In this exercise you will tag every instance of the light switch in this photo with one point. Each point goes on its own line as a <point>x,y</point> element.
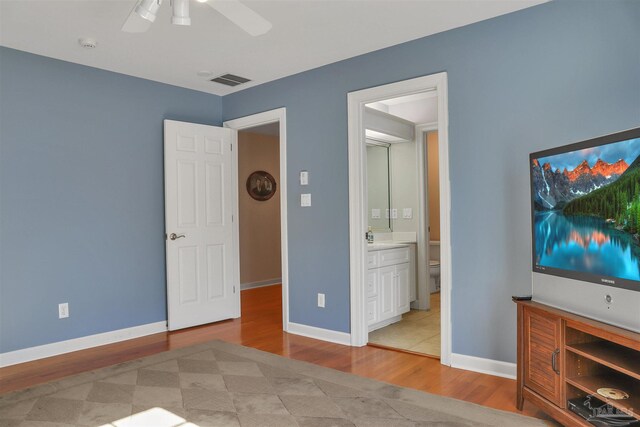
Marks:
<point>304,178</point>
<point>394,213</point>
<point>375,213</point>
<point>305,199</point>
<point>407,213</point>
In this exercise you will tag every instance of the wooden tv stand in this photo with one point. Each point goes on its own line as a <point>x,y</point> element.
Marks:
<point>562,356</point>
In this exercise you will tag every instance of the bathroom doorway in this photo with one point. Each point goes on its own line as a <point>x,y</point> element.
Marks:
<point>429,189</point>
<point>403,199</point>
<point>379,272</point>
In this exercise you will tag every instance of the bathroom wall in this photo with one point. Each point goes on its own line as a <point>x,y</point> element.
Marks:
<point>378,186</point>
<point>404,185</point>
<point>433,185</point>
<point>260,259</point>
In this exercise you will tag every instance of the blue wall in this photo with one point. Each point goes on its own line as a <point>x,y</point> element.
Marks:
<point>543,77</point>
<point>81,185</point>
<point>82,198</point>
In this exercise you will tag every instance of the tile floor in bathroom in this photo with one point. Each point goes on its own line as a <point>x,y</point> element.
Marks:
<point>418,331</point>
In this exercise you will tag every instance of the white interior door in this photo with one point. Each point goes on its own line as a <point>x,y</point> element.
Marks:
<point>202,281</point>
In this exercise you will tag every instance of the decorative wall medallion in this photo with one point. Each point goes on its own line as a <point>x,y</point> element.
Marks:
<point>261,185</point>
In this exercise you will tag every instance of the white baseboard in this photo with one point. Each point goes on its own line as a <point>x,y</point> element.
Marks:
<point>61,347</point>
<point>260,284</point>
<point>484,366</point>
<point>319,333</point>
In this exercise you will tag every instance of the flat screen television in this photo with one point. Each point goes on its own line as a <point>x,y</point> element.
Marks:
<point>585,216</point>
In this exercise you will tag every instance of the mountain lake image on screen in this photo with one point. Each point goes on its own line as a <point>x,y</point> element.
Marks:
<point>586,211</point>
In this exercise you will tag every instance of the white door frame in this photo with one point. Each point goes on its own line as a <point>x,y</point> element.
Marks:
<point>423,241</point>
<point>358,201</point>
<point>278,115</point>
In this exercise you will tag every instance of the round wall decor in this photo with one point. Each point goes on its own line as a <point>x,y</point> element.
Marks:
<point>261,185</point>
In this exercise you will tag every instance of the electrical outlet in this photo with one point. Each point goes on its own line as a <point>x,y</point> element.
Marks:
<point>321,300</point>
<point>63,310</point>
<point>305,200</point>
<point>394,213</point>
<point>407,213</point>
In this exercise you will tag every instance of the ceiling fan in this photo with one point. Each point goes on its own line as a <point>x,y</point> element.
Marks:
<point>144,13</point>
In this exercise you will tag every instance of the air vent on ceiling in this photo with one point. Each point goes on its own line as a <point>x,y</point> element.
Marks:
<point>230,80</point>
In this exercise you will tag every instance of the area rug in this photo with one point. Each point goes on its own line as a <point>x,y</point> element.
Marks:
<point>222,384</point>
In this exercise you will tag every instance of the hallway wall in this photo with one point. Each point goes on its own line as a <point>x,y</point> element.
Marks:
<point>260,257</point>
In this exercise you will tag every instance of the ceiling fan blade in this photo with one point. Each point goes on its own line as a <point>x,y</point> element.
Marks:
<point>135,23</point>
<point>242,16</point>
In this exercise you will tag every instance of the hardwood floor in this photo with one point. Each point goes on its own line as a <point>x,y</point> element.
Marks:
<point>261,327</point>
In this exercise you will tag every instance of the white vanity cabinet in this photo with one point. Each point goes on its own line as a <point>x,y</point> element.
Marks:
<point>389,277</point>
<point>413,274</point>
<point>388,293</point>
<point>403,285</point>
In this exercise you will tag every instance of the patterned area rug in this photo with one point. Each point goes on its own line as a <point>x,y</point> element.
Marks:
<point>222,384</point>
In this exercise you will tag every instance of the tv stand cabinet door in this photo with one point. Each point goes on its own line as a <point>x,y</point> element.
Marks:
<point>542,355</point>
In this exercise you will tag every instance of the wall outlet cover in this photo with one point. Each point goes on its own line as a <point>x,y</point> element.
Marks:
<point>394,213</point>
<point>375,213</point>
<point>63,310</point>
<point>305,200</point>
<point>407,213</point>
<point>321,300</point>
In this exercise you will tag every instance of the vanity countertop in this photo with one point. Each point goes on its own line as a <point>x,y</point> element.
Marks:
<point>378,246</point>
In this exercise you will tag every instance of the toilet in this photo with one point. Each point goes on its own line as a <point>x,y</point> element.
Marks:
<point>434,266</point>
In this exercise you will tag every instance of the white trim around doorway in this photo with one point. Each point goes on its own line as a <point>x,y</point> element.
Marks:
<point>358,200</point>
<point>422,253</point>
<point>278,115</point>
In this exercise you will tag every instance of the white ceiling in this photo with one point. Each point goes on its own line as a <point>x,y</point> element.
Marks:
<point>420,108</point>
<point>306,34</point>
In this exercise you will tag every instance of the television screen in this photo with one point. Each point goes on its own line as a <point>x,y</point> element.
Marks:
<point>586,210</point>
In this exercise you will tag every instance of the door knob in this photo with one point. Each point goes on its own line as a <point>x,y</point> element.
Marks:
<point>174,236</point>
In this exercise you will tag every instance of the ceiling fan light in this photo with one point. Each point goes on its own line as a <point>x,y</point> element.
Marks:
<point>181,13</point>
<point>180,20</point>
<point>147,9</point>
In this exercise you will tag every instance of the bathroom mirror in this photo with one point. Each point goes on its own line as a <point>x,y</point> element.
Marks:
<point>379,193</point>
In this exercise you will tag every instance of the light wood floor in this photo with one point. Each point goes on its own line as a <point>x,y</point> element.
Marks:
<point>261,327</point>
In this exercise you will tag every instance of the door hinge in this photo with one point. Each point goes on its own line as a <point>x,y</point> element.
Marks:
<point>234,289</point>
<point>231,218</point>
<point>231,147</point>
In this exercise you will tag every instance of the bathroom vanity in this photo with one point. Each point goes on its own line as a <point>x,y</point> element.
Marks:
<point>391,282</point>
